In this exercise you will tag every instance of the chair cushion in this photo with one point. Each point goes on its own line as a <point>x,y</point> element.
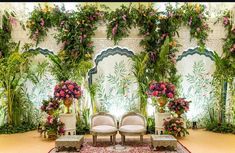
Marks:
<point>132,128</point>
<point>102,120</point>
<point>133,120</point>
<point>103,129</point>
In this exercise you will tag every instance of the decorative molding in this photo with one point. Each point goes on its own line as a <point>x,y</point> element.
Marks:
<point>191,51</point>
<point>106,53</point>
<point>41,50</point>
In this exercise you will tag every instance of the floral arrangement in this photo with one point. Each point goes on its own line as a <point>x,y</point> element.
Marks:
<point>195,16</point>
<point>77,40</point>
<point>39,22</point>
<point>119,24</point>
<point>175,127</point>
<point>49,106</point>
<point>54,125</point>
<point>67,89</point>
<point>162,89</point>
<point>179,105</point>
<point>229,45</point>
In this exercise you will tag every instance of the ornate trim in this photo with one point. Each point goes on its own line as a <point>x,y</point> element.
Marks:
<point>192,51</point>
<point>41,50</point>
<point>106,53</point>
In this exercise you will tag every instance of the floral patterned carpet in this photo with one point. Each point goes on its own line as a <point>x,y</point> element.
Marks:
<point>131,146</point>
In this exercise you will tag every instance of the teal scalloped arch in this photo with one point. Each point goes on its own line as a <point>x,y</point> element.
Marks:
<point>193,51</point>
<point>41,50</point>
<point>106,53</point>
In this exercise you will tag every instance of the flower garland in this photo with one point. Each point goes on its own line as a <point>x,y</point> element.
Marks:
<point>119,23</point>
<point>229,45</point>
<point>39,22</point>
<point>76,30</point>
<point>196,17</point>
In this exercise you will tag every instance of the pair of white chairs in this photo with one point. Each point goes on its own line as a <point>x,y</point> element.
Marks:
<point>105,124</point>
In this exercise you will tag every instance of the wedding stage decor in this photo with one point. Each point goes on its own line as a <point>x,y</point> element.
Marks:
<point>131,146</point>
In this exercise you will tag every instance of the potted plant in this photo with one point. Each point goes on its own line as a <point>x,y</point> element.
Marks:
<point>67,91</point>
<point>53,126</point>
<point>175,127</point>
<point>179,106</point>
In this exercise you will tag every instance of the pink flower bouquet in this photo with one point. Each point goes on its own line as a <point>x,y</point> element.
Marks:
<point>67,89</point>
<point>179,105</point>
<point>161,89</point>
<point>175,126</point>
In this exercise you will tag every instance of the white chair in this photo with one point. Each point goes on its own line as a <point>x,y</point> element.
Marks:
<point>103,124</point>
<point>132,124</point>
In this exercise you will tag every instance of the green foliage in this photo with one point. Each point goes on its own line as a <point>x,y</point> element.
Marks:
<point>195,17</point>
<point>39,22</point>
<point>83,124</point>
<point>139,70</point>
<point>65,70</point>
<point>24,127</point>
<point>150,125</point>
<point>220,128</point>
<point>119,23</point>
<point>92,90</point>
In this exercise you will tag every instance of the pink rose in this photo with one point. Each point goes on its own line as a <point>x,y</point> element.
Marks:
<point>170,95</point>
<point>152,87</point>
<point>67,96</point>
<point>163,86</point>
<point>62,93</point>
<point>71,87</point>
<point>155,93</point>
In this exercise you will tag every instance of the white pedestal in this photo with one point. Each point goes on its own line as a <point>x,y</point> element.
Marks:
<point>70,123</point>
<point>159,122</point>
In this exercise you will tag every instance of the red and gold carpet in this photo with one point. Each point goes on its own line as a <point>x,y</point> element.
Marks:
<point>131,146</point>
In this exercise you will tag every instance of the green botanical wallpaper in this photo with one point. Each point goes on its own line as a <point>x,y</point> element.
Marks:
<point>42,90</point>
<point>199,90</point>
<point>117,92</point>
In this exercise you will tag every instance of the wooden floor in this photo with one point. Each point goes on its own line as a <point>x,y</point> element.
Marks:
<point>199,141</point>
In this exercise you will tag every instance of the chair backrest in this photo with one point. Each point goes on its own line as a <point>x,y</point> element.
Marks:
<point>133,118</point>
<point>103,118</point>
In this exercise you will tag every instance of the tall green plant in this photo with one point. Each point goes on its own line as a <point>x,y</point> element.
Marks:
<point>92,90</point>
<point>139,70</point>
<point>14,71</point>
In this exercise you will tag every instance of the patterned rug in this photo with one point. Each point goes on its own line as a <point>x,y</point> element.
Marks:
<point>131,146</point>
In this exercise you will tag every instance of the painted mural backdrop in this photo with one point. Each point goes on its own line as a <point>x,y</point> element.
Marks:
<point>196,85</point>
<point>116,86</point>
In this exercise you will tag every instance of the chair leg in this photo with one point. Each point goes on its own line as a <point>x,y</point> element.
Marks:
<point>94,139</point>
<point>123,139</point>
<point>111,139</point>
<point>114,139</point>
<point>141,138</point>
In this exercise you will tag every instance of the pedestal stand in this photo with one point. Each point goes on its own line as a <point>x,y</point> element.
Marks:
<point>70,123</point>
<point>159,129</point>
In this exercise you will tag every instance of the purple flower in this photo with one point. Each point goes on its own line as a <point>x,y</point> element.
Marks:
<point>114,30</point>
<point>13,21</point>
<point>152,56</point>
<point>226,21</point>
<point>190,21</point>
<point>124,17</point>
<point>42,23</point>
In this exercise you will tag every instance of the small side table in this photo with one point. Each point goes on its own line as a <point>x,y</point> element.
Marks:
<point>69,141</point>
<point>163,140</point>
